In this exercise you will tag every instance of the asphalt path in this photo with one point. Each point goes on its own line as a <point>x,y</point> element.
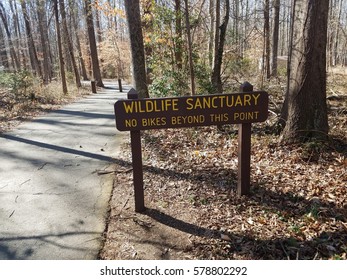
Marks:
<point>53,203</point>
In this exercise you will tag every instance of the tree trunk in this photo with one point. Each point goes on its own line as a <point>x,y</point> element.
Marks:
<point>92,43</point>
<point>69,43</point>
<point>98,27</point>
<point>306,97</point>
<point>216,32</point>
<point>42,21</point>
<point>35,65</point>
<point>14,57</point>
<point>337,33</point>
<point>148,28</point>
<point>211,35</point>
<point>190,50</point>
<point>267,38</point>
<point>60,47</point>
<point>132,9</point>
<point>73,10</point>
<point>3,53</point>
<point>178,31</point>
<point>275,37</point>
<point>216,79</point>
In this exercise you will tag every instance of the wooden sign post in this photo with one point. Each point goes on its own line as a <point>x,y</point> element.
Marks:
<point>244,108</point>
<point>244,152</point>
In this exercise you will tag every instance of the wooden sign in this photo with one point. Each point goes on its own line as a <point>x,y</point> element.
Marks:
<point>242,108</point>
<point>159,113</point>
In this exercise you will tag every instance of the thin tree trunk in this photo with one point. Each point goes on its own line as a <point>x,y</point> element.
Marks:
<point>69,43</point>
<point>3,53</point>
<point>92,43</point>
<point>275,37</point>
<point>216,32</point>
<point>35,65</point>
<point>42,21</point>
<point>284,112</point>
<point>267,37</point>
<point>78,43</point>
<point>190,50</point>
<point>178,30</point>
<point>14,57</point>
<point>60,48</point>
<point>337,34</point>
<point>236,24</point>
<point>216,79</point>
<point>147,27</point>
<point>211,34</point>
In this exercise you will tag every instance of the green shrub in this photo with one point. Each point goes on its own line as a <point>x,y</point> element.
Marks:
<point>19,84</point>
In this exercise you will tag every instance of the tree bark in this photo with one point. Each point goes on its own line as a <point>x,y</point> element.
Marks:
<point>60,47</point>
<point>190,50</point>
<point>3,53</point>
<point>98,27</point>
<point>216,79</point>
<point>14,57</point>
<point>306,96</point>
<point>275,37</point>
<point>92,43</point>
<point>73,10</point>
<point>69,43</point>
<point>211,34</point>
<point>35,65</point>
<point>132,9</point>
<point>178,31</point>
<point>42,21</point>
<point>267,38</point>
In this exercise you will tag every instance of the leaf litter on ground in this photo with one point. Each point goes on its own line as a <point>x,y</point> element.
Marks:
<point>297,208</point>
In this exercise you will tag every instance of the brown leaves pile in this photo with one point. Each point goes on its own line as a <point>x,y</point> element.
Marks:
<point>297,208</point>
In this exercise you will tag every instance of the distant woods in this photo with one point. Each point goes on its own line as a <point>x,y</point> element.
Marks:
<point>213,42</point>
<point>181,47</point>
<point>65,40</point>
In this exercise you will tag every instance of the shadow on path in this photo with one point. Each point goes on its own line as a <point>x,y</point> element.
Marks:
<point>58,148</point>
<point>8,254</point>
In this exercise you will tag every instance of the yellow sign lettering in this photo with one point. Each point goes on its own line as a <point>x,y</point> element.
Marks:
<point>246,116</point>
<point>131,123</point>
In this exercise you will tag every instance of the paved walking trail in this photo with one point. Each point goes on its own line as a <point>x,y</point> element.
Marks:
<point>52,203</point>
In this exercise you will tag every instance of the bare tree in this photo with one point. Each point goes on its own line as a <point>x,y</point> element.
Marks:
<point>69,43</point>
<point>35,65</point>
<point>277,5</point>
<point>74,14</point>
<point>43,28</point>
<point>266,59</point>
<point>60,47</point>
<point>13,53</point>
<point>3,52</point>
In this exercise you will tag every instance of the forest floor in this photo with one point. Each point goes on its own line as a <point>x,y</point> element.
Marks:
<point>25,105</point>
<point>297,208</point>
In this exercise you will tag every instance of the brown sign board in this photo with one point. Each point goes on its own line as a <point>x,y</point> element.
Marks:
<point>189,111</point>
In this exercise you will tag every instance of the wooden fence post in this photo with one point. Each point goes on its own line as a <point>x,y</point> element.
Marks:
<point>120,85</point>
<point>244,151</point>
<point>135,137</point>
<point>93,84</point>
